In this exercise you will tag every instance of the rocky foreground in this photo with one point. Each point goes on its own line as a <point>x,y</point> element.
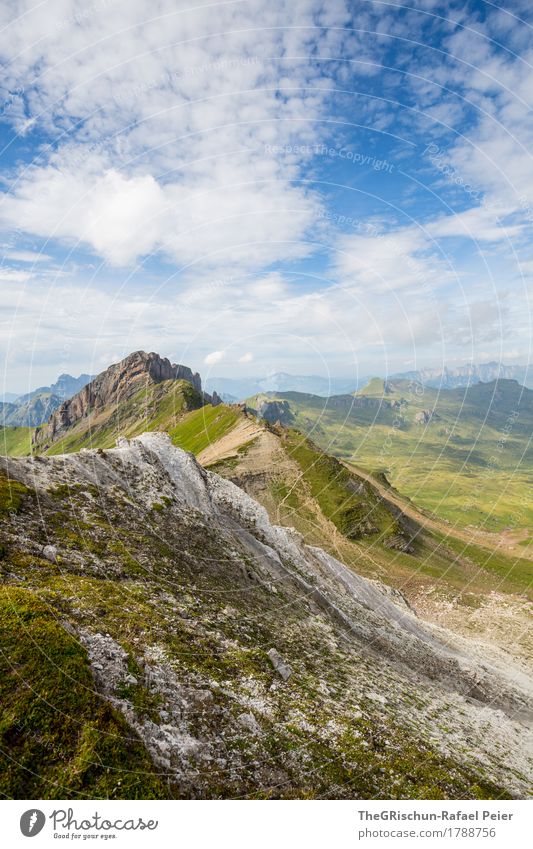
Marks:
<point>232,659</point>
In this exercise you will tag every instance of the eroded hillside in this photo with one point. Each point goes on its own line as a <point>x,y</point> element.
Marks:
<point>223,651</point>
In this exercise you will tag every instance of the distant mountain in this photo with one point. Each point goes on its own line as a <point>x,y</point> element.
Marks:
<point>467,375</point>
<point>35,407</point>
<point>66,386</point>
<point>240,388</point>
<point>8,397</point>
<point>30,410</point>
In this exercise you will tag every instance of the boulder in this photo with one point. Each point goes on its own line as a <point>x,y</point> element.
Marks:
<point>282,668</point>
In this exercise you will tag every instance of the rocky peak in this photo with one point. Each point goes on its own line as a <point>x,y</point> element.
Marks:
<point>117,383</point>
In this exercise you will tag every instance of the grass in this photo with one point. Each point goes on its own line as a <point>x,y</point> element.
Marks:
<point>59,739</point>
<point>349,504</point>
<point>16,441</point>
<point>505,573</point>
<point>200,428</point>
<point>472,464</point>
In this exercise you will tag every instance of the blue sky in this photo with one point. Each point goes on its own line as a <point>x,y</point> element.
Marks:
<point>251,186</point>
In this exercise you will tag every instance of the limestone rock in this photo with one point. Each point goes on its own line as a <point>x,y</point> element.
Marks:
<point>279,664</point>
<point>50,553</point>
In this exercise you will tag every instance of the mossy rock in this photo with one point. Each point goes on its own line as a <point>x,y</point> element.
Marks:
<point>12,494</point>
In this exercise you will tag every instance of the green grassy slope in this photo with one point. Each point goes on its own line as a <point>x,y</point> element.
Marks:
<point>365,529</point>
<point>15,441</point>
<point>156,407</point>
<point>200,428</point>
<point>59,738</point>
<point>349,503</point>
<point>470,464</point>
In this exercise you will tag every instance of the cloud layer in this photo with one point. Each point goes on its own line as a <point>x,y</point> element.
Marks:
<point>201,177</point>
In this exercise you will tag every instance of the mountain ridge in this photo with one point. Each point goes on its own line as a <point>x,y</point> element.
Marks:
<point>115,385</point>
<point>243,660</point>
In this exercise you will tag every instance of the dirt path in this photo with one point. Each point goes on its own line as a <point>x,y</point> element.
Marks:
<point>228,446</point>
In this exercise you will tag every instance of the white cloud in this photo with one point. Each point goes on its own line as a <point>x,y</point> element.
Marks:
<point>481,224</point>
<point>246,358</point>
<point>387,261</point>
<point>13,275</point>
<point>164,116</point>
<point>59,327</point>
<point>26,256</point>
<point>214,357</point>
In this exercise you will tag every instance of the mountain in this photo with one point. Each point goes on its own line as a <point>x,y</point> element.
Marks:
<point>34,408</point>
<point>66,386</point>
<point>142,391</point>
<point>230,610</point>
<point>180,645</point>
<point>30,410</point>
<point>450,378</point>
<point>464,454</point>
<point>240,388</point>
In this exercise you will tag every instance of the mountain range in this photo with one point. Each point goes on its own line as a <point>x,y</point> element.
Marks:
<point>464,454</point>
<point>238,389</point>
<point>467,375</point>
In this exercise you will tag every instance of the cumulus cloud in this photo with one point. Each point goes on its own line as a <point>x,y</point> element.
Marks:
<point>164,117</point>
<point>214,357</point>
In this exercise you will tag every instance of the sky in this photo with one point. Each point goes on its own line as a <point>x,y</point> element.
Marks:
<point>308,186</point>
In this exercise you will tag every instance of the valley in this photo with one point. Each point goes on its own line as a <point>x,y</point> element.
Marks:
<point>464,454</point>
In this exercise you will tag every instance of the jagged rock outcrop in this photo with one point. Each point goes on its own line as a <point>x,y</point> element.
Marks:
<point>274,411</point>
<point>425,417</point>
<point>215,400</point>
<point>114,385</point>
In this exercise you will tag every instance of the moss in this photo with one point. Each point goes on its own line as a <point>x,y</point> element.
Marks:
<point>70,492</point>
<point>12,495</point>
<point>59,738</point>
<point>145,702</point>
